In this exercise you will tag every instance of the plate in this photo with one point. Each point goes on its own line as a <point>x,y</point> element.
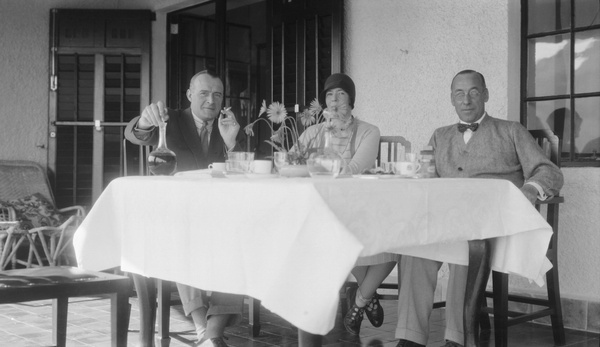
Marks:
<point>205,173</point>
<point>234,174</point>
<point>294,171</point>
<point>381,176</point>
<point>261,176</point>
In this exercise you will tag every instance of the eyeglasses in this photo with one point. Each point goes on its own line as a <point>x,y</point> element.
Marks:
<point>461,96</point>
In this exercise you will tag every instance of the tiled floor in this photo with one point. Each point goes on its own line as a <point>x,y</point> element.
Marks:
<point>30,324</point>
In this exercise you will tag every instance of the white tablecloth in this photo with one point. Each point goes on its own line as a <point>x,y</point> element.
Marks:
<point>281,238</point>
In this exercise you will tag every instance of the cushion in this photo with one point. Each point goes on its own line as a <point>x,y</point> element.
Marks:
<point>35,211</point>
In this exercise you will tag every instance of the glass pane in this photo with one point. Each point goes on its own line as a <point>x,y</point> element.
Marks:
<point>238,43</point>
<point>587,127</point>
<point>587,61</point>
<point>554,115</point>
<point>548,66</point>
<point>113,143</point>
<point>586,13</point>
<point>548,15</point>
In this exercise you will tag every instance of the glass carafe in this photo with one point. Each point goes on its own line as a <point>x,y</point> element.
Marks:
<point>326,162</point>
<point>162,161</point>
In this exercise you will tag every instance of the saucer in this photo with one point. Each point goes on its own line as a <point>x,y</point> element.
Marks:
<point>261,176</point>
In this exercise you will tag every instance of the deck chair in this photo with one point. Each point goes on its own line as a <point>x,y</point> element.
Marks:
<point>25,192</point>
<point>503,317</point>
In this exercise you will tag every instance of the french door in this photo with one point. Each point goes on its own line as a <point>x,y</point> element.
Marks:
<point>99,81</point>
<point>269,50</point>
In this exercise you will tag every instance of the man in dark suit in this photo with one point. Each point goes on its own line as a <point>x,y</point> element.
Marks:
<point>480,146</point>
<point>197,142</point>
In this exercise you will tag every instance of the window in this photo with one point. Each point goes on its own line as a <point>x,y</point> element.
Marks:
<point>560,80</point>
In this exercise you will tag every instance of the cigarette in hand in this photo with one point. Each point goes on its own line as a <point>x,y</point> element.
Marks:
<point>224,110</point>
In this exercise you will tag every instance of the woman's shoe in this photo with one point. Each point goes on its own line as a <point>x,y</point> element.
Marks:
<point>374,311</point>
<point>350,297</point>
<point>353,319</point>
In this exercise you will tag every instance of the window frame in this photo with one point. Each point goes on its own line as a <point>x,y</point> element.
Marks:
<point>571,160</point>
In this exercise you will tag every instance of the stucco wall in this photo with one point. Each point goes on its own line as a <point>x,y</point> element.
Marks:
<point>403,55</point>
<point>24,34</point>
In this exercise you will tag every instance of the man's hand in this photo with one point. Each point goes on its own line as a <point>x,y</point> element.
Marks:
<point>228,127</point>
<point>530,193</point>
<point>152,116</point>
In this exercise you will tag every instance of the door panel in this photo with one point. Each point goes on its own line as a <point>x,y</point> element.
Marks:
<point>99,82</point>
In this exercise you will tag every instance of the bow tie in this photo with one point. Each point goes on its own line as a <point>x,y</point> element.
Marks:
<point>463,127</point>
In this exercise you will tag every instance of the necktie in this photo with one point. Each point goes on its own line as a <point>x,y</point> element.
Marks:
<point>204,139</point>
<point>463,127</point>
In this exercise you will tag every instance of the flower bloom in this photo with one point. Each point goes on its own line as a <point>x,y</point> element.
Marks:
<point>278,135</point>
<point>307,118</point>
<point>248,129</point>
<point>276,112</point>
<point>263,108</point>
<point>315,107</point>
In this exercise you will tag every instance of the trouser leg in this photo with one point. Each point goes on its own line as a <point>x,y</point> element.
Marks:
<point>415,301</point>
<point>455,299</point>
<point>226,304</point>
<point>191,298</point>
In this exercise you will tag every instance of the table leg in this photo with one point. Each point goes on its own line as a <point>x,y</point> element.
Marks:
<point>146,293</point>
<point>163,312</point>
<point>479,271</point>
<point>306,339</point>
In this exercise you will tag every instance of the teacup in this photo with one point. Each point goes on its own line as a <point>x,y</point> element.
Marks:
<point>261,166</point>
<point>406,168</point>
<point>217,167</point>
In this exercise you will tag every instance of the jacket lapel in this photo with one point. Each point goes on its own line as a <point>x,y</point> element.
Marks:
<point>190,134</point>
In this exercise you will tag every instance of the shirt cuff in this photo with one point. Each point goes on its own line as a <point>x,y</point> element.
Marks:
<point>143,131</point>
<point>541,194</point>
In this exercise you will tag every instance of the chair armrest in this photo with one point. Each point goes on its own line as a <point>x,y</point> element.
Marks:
<point>552,200</point>
<point>79,210</point>
<point>8,226</point>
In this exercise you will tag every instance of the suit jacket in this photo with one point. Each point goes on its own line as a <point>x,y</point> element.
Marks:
<point>498,149</point>
<point>183,139</point>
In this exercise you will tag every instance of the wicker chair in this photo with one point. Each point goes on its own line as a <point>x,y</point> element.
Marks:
<point>21,179</point>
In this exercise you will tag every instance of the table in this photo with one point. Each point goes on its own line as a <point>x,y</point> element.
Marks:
<point>279,231</point>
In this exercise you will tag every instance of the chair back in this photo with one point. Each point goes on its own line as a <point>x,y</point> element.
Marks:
<point>130,159</point>
<point>550,143</point>
<point>392,148</point>
<point>19,178</point>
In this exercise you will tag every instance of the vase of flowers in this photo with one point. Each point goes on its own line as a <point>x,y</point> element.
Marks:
<point>285,134</point>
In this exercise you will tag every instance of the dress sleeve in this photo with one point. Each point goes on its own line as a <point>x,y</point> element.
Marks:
<point>367,147</point>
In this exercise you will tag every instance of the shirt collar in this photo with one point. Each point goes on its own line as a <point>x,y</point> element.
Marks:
<point>199,121</point>
<point>478,121</point>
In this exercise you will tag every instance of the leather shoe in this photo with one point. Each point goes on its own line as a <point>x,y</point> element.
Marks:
<point>350,297</point>
<point>353,319</point>
<point>374,311</point>
<point>407,343</point>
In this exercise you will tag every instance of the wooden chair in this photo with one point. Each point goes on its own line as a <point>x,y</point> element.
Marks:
<point>503,317</point>
<point>164,289</point>
<point>23,179</point>
<point>392,146</point>
<point>61,283</point>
